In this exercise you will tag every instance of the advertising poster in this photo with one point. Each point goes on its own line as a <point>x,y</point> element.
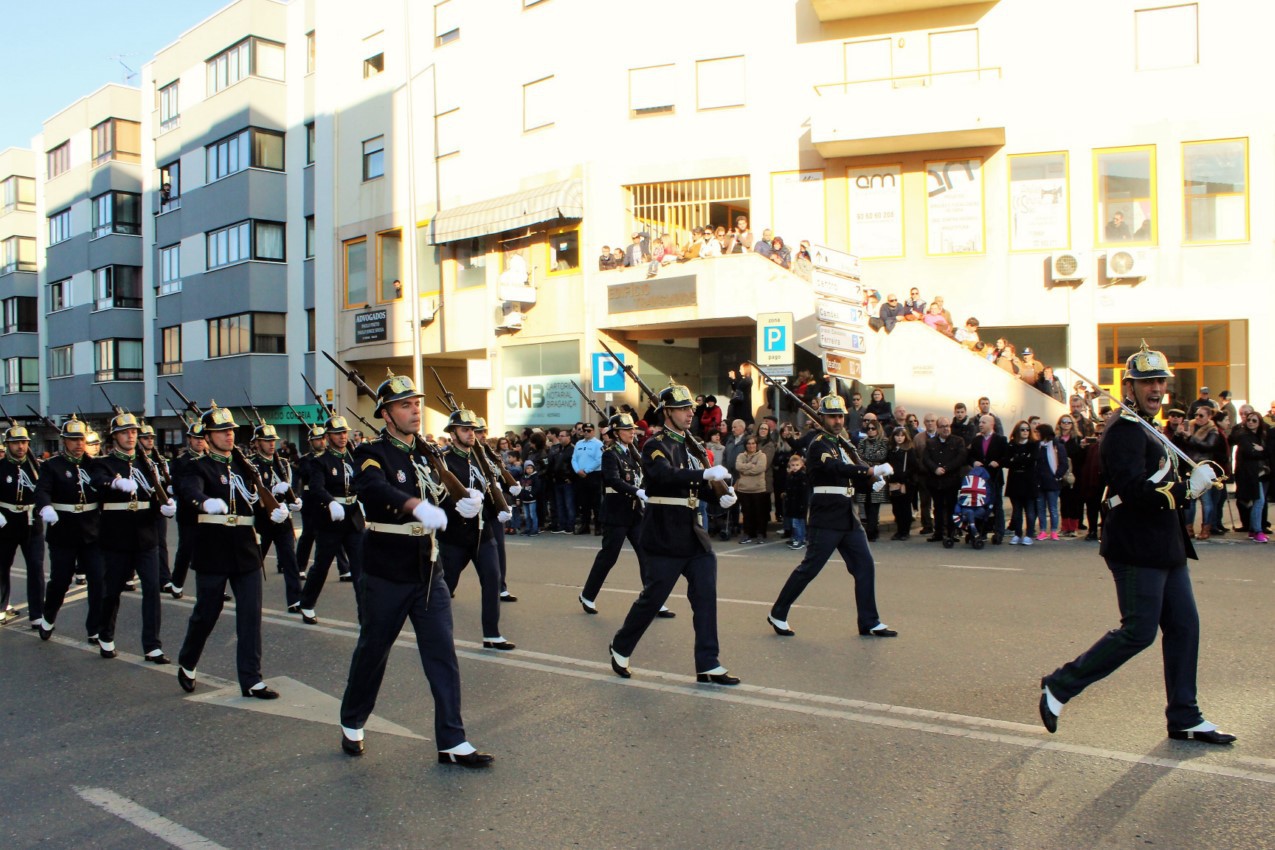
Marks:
<point>876,210</point>
<point>954,206</point>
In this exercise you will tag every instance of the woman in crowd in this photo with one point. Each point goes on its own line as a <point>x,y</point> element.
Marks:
<point>750,486</point>
<point>785,446</point>
<point>1203,443</point>
<point>934,319</point>
<point>1021,486</point>
<point>803,265</point>
<point>1252,471</point>
<point>1051,466</point>
<point>710,418</point>
<point>1089,478</point>
<point>902,481</point>
<point>781,254</point>
<point>913,424</point>
<point>768,443</point>
<point>879,407</point>
<point>873,449</point>
<point>1070,503</point>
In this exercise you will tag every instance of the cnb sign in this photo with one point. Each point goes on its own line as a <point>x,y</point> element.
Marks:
<point>540,400</point>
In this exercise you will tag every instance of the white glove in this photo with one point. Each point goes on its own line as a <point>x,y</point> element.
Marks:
<point>49,515</point>
<point>430,516</point>
<point>215,506</point>
<point>504,517</point>
<point>169,489</point>
<point>124,485</point>
<point>168,509</point>
<point>882,470</point>
<point>641,495</point>
<point>878,485</point>
<point>515,490</point>
<point>280,488</point>
<point>470,506</point>
<point>336,510</point>
<point>1202,478</point>
<point>716,473</point>
<point>279,514</point>
<point>295,506</point>
<point>3,521</point>
<point>727,500</point>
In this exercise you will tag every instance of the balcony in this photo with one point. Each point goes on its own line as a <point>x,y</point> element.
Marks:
<point>841,10</point>
<point>921,112</point>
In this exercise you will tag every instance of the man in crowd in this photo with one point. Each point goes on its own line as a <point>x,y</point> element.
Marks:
<point>990,450</point>
<point>586,464</point>
<point>562,479</point>
<point>985,409</point>
<point>944,463</point>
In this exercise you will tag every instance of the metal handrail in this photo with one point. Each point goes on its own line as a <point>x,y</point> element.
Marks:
<point>924,78</point>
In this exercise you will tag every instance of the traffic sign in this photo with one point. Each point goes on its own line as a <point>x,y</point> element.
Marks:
<point>608,376</point>
<point>840,314</point>
<point>836,286</point>
<point>774,339</point>
<point>833,260</point>
<point>842,365</point>
<point>778,372</point>
<point>842,339</point>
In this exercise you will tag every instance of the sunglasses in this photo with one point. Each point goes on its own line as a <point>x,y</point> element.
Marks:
<point>1024,430</point>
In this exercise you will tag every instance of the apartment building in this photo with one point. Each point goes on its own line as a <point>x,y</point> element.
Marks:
<point>19,337</point>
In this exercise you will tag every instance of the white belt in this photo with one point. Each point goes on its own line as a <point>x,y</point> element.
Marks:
<point>225,519</point>
<point>126,506</point>
<point>411,529</point>
<point>17,509</point>
<point>345,500</point>
<point>614,492</point>
<point>691,501</point>
<point>83,507</point>
<point>833,491</point>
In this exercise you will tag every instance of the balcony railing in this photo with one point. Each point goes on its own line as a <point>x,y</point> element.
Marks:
<point>910,81</point>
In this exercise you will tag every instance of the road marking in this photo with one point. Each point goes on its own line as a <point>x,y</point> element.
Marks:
<point>683,596</point>
<point>157,825</point>
<point>997,569</point>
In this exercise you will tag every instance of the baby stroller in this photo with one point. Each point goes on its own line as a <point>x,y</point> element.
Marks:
<point>973,505</point>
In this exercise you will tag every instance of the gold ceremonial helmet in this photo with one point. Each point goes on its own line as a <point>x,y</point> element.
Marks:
<point>832,405</point>
<point>674,396</point>
<point>218,418</point>
<point>1146,363</point>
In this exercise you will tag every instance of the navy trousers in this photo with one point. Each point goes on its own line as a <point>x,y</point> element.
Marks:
<point>119,568</point>
<point>663,572</point>
<point>853,547</point>
<point>210,596</point>
<point>65,561</point>
<point>486,563</point>
<point>613,537</point>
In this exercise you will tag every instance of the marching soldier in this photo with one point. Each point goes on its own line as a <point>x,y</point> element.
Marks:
<point>834,526</point>
<point>469,536</point>
<point>674,542</point>
<point>480,432</point>
<point>92,448</point>
<point>225,550</point>
<point>131,498</point>
<point>401,496</point>
<point>146,448</point>
<point>340,522</point>
<point>68,504</point>
<point>622,501</point>
<point>187,512</point>
<point>1145,545</point>
<point>310,506</point>
<point>19,528</point>
<point>276,475</point>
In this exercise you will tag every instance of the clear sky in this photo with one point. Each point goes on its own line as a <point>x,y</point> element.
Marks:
<point>56,53</point>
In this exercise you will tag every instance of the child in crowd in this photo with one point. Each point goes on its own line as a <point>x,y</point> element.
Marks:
<point>796,500</point>
<point>531,487</point>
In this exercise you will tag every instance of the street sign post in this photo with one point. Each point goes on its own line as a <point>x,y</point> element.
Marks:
<point>836,261</point>
<point>842,365</point>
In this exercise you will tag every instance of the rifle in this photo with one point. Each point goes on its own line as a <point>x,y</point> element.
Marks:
<point>593,404</point>
<point>268,500</point>
<point>694,446</point>
<point>44,420</point>
<point>485,454</point>
<point>151,467</point>
<point>432,454</point>
<point>5,413</point>
<point>813,415</point>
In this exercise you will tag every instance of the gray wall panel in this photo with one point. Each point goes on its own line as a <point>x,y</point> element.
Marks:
<point>235,289</point>
<point>114,250</point>
<point>264,376</point>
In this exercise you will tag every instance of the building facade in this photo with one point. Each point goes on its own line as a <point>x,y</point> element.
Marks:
<point>19,289</point>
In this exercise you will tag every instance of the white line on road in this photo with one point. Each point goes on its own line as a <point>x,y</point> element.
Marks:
<point>998,569</point>
<point>157,825</point>
<point>683,596</point>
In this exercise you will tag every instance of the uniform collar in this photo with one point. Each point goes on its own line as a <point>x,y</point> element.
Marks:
<point>395,441</point>
<point>219,458</point>
<point>465,453</point>
<point>116,453</point>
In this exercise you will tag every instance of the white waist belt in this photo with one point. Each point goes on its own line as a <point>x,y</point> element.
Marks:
<point>411,529</point>
<point>833,491</point>
<point>345,500</point>
<point>126,506</point>
<point>621,493</point>
<point>17,509</point>
<point>225,519</point>
<point>74,509</point>
<point>688,502</point>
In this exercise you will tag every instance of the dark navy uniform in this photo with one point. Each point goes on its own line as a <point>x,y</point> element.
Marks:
<point>187,518</point>
<point>161,521</point>
<point>65,487</point>
<point>621,516</point>
<point>23,530</point>
<point>473,540</point>
<point>832,526</point>
<point>310,509</point>
<point>273,472</point>
<point>330,476</point>
<point>401,582</point>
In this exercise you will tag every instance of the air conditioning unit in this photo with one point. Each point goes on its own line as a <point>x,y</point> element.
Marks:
<point>511,321</point>
<point>1068,267</point>
<point>1127,263</point>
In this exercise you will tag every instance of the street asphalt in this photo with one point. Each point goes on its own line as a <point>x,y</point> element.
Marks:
<point>930,739</point>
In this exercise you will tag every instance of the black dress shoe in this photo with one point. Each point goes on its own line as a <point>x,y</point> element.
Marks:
<point>779,631</point>
<point>261,693</point>
<point>294,609</point>
<point>309,621</point>
<point>503,645</point>
<point>187,682</point>
<point>717,678</point>
<point>351,748</point>
<point>174,592</point>
<point>1091,536</point>
<point>106,653</point>
<point>1050,719</point>
<point>588,609</point>
<point>997,540</point>
<point>622,672</point>
<point>45,634</point>
<point>474,759</point>
<point>878,631</point>
<point>93,641</point>
<point>506,596</point>
<point>666,613</point>
<point>346,577</point>
<point>934,538</point>
<point>159,659</point>
<point>226,597</point>
<point>1213,736</point>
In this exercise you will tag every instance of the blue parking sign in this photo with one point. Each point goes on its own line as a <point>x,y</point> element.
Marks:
<point>608,376</point>
<point>775,338</point>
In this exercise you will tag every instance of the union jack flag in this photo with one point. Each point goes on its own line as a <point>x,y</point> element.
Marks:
<point>973,492</point>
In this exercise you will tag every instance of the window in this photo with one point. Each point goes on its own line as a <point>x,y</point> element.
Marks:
<point>374,66</point>
<point>1038,202</point>
<point>19,193</point>
<point>169,112</point>
<point>471,263</point>
<point>309,237</point>
<point>117,212</point>
<point>537,104</point>
<point>247,240</point>
<point>719,83</point>
<point>251,148</point>
<point>446,130</point>
<point>246,333</point>
<point>677,206</point>
<point>170,186</point>
<point>22,375</point>
<point>58,160</point>
<point>117,360</point>
<point>651,90</point>
<point>309,52</point>
<point>254,57</point>
<point>117,286</point>
<point>1167,37</point>
<point>117,139</point>
<point>564,251</point>
<point>356,273</point>
<point>389,252</point>
<point>1215,191</point>
<point>59,227</point>
<point>309,329</point>
<point>60,362</point>
<point>19,315</point>
<point>17,254</point>
<point>446,24</point>
<point>309,143</point>
<point>374,158</point>
<point>1125,195</point>
<point>170,353</point>
<point>267,240</point>
<point>170,270</point>
<point>59,295</point>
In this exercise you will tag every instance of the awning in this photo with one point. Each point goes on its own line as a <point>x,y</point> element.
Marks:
<point>508,212</point>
